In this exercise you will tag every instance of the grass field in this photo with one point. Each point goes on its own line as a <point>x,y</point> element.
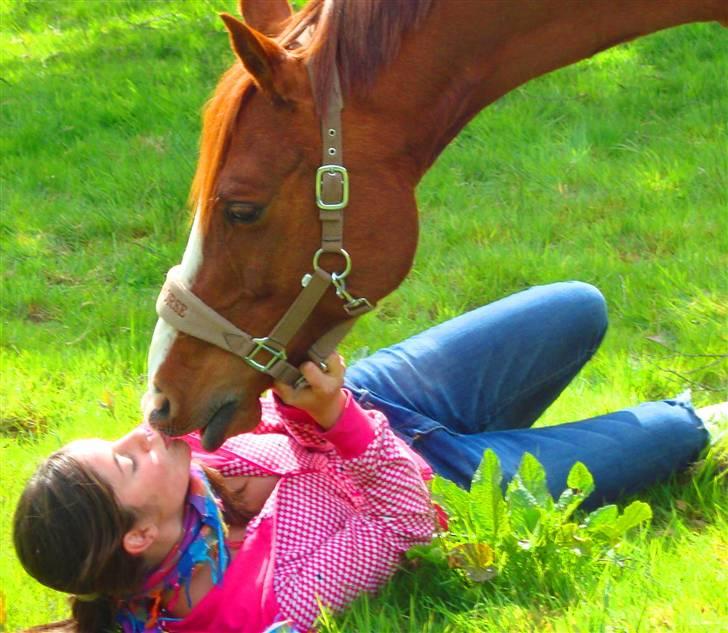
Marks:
<point>613,171</point>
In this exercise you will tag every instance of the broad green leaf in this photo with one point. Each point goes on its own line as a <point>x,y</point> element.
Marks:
<point>533,477</point>
<point>568,502</point>
<point>452,498</point>
<point>488,506</point>
<point>606,515</point>
<point>635,513</point>
<point>603,522</point>
<point>580,479</point>
<point>565,499</point>
<point>522,507</point>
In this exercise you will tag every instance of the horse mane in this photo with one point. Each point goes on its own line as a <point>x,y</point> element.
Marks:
<point>218,116</point>
<point>359,37</point>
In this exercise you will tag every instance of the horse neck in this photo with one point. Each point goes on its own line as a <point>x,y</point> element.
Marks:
<point>468,54</point>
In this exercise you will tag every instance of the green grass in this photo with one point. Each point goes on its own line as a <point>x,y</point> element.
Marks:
<point>613,171</point>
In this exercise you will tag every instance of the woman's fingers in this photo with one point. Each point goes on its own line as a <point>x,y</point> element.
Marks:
<point>333,376</point>
<point>336,364</point>
<point>323,398</point>
<point>285,391</point>
<point>314,375</point>
<point>320,384</point>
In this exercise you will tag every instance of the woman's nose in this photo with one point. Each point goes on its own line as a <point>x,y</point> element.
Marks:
<point>146,435</point>
<point>140,437</point>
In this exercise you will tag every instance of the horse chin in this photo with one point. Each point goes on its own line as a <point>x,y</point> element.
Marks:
<point>230,419</point>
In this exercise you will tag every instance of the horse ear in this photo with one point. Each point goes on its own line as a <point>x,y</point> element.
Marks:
<point>266,16</point>
<point>262,57</point>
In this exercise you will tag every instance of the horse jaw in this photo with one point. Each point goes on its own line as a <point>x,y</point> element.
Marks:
<point>229,420</point>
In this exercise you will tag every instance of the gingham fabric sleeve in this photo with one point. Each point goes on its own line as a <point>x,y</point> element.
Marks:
<point>393,513</point>
<point>380,466</point>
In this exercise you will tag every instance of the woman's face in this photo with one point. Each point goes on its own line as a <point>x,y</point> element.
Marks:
<point>147,471</point>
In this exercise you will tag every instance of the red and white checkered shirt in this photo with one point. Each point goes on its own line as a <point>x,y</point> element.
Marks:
<point>348,503</point>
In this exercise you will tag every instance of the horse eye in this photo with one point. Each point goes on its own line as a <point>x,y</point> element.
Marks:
<point>242,212</point>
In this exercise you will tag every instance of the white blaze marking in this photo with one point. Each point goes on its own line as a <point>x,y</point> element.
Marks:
<point>164,334</point>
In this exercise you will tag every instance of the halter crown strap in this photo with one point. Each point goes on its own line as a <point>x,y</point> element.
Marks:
<point>332,179</point>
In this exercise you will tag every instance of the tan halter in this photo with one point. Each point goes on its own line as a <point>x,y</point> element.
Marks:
<point>187,313</point>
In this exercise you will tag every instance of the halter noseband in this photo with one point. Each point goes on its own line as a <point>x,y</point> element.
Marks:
<point>186,312</point>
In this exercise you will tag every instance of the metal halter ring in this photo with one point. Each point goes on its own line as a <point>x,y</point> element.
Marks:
<point>342,252</point>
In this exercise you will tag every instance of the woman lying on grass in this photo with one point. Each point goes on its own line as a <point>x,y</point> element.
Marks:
<point>319,502</point>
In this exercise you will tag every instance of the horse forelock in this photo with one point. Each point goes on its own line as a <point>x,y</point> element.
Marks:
<point>219,116</point>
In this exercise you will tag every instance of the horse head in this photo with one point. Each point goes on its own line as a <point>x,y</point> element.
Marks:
<point>257,230</point>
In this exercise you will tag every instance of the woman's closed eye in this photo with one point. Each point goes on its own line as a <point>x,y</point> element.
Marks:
<point>125,463</point>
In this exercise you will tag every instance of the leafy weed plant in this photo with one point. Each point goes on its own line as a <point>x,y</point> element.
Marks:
<point>526,538</point>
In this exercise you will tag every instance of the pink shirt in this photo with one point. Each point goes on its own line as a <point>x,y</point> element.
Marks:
<point>348,503</point>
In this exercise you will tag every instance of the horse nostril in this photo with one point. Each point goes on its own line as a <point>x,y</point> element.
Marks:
<point>157,408</point>
<point>162,412</point>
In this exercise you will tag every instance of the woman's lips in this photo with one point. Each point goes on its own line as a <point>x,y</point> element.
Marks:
<point>150,432</point>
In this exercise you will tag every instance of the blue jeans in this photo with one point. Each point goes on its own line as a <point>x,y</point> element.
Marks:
<point>482,379</point>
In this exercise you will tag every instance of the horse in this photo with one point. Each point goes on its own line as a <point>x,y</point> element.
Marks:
<point>312,146</point>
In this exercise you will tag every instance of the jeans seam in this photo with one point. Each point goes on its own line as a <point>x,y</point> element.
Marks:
<point>564,370</point>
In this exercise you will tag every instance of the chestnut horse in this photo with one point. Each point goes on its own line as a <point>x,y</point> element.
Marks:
<point>412,73</point>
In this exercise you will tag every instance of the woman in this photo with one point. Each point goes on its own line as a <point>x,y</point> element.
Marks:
<point>319,502</point>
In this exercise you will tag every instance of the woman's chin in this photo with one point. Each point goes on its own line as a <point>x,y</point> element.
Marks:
<point>181,453</point>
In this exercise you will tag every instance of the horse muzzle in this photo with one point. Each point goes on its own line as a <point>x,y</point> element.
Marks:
<point>221,417</point>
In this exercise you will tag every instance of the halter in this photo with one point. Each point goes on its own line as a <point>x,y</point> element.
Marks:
<point>186,312</point>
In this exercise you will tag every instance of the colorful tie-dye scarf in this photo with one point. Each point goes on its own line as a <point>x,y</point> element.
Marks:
<point>202,543</point>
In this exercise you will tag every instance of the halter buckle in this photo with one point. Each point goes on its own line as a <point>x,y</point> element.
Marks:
<point>332,169</point>
<point>264,344</point>
<point>359,306</point>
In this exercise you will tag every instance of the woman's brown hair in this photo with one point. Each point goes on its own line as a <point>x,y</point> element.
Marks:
<point>68,530</point>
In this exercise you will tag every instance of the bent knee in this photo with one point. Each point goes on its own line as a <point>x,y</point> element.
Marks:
<point>584,304</point>
<point>591,303</point>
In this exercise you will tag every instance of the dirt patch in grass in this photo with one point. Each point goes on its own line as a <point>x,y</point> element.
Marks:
<point>30,425</point>
<point>39,314</point>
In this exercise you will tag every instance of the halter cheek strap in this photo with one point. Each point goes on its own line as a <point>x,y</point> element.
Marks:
<point>186,312</point>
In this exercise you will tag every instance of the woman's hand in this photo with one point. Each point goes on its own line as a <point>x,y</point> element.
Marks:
<point>323,398</point>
